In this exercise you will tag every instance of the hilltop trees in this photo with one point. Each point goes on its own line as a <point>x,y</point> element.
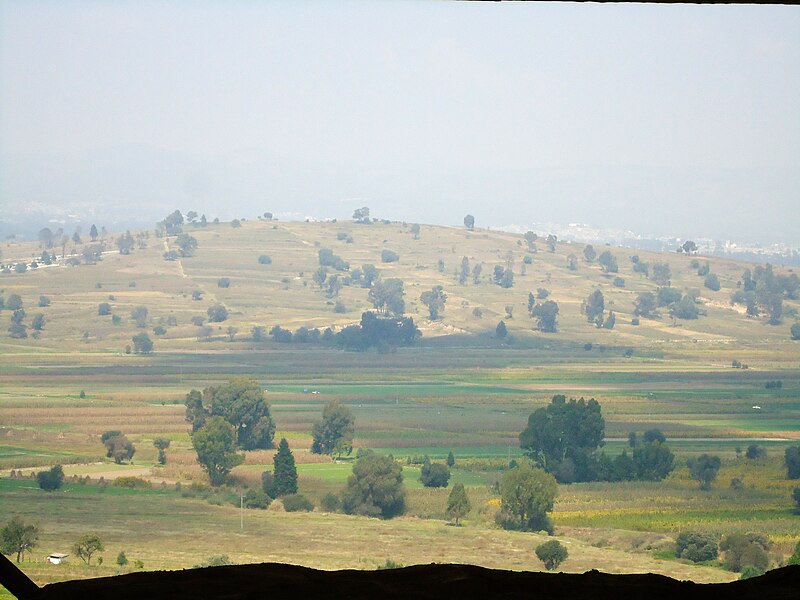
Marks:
<point>527,494</point>
<point>333,434</point>
<point>361,216</point>
<point>387,296</point>
<point>563,437</point>
<point>608,263</point>
<point>469,222</point>
<point>546,315</point>
<point>215,444</point>
<point>142,344</point>
<point>435,300</point>
<point>381,332</point>
<point>593,307</point>
<point>375,488</point>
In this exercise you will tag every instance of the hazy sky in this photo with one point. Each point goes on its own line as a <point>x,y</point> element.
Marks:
<point>669,119</point>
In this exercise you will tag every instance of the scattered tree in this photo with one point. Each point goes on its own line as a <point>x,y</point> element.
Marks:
<point>552,553</point>
<point>284,471</point>
<point>118,446</point>
<point>217,313</point>
<point>215,444</point>
<point>435,300</point>
<point>458,505</point>
<point>501,331</point>
<point>546,316</point>
<point>563,437</point>
<point>608,263</point>
<point>704,469</point>
<point>142,344</point>
<point>469,222</point>
<point>375,488</point>
<point>161,443</point>
<point>86,546</point>
<point>388,256</point>
<point>792,462</point>
<point>52,479</point>
<point>589,253</point>
<point>712,282</point>
<point>334,433</point>
<point>18,537</point>
<point>745,549</point>
<point>527,495</point>
<point>434,475</point>
<point>593,307</point>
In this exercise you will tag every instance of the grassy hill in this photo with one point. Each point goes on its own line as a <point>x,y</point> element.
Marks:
<point>284,293</point>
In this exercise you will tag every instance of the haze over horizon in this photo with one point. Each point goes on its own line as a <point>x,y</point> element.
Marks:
<point>664,120</point>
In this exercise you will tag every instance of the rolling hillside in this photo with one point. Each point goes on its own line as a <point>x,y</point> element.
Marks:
<point>284,292</point>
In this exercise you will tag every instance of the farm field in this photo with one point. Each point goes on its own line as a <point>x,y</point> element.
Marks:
<point>457,389</point>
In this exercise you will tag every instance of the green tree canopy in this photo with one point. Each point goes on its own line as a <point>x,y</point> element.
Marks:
<point>704,469</point>
<point>284,471</point>
<point>375,488</point>
<point>434,475</point>
<point>333,434</point>
<point>86,546</point>
<point>434,299</point>
<point>552,553</point>
<point>458,505</point>
<point>527,494</point>
<point>241,403</point>
<point>18,537</point>
<point>52,479</point>
<point>564,436</point>
<point>215,444</point>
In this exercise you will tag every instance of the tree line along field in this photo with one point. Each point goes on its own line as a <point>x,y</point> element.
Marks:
<point>457,389</point>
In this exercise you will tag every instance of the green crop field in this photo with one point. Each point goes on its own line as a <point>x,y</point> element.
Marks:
<point>458,389</point>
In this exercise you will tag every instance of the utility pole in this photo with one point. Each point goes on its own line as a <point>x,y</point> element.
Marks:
<point>241,509</point>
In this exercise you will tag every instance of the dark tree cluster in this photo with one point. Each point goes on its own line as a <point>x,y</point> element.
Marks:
<point>762,292</point>
<point>328,259</point>
<point>434,475</point>
<point>376,331</point>
<point>241,403</point>
<point>118,446</point>
<point>564,439</point>
<point>375,488</point>
<point>333,434</point>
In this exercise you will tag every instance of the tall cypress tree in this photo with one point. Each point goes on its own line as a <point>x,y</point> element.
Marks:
<point>285,471</point>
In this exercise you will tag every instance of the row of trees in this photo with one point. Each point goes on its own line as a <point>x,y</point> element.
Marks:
<point>564,439</point>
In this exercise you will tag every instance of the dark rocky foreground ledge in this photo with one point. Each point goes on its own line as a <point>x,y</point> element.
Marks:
<point>423,582</point>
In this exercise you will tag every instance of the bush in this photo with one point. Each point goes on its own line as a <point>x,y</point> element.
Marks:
<point>619,282</point>
<point>330,502</point>
<point>297,503</point>
<point>132,482</point>
<point>712,282</point>
<point>224,282</point>
<point>388,256</point>
<point>745,549</point>
<point>375,488</point>
<point>755,451</point>
<point>552,554</point>
<point>264,260</point>
<point>255,498</point>
<point>104,308</point>
<point>339,307</point>
<point>695,546</point>
<point>435,475</point>
<point>795,331</point>
<point>51,479</point>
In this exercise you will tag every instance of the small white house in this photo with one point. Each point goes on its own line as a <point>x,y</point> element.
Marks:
<point>56,558</point>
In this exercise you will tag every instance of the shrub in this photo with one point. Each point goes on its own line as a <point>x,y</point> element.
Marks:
<point>224,282</point>
<point>52,479</point>
<point>132,482</point>
<point>104,308</point>
<point>619,282</point>
<point>755,451</point>
<point>695,546</point>
<point>552,554</point>
<point>255,498</point>
<point>297,503</point>
<point>388,256</point>
<point>339,307</point>
<point>435,475</point>
<point>330,502</point>
<point>264,260</point>
<point>745,549</point>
